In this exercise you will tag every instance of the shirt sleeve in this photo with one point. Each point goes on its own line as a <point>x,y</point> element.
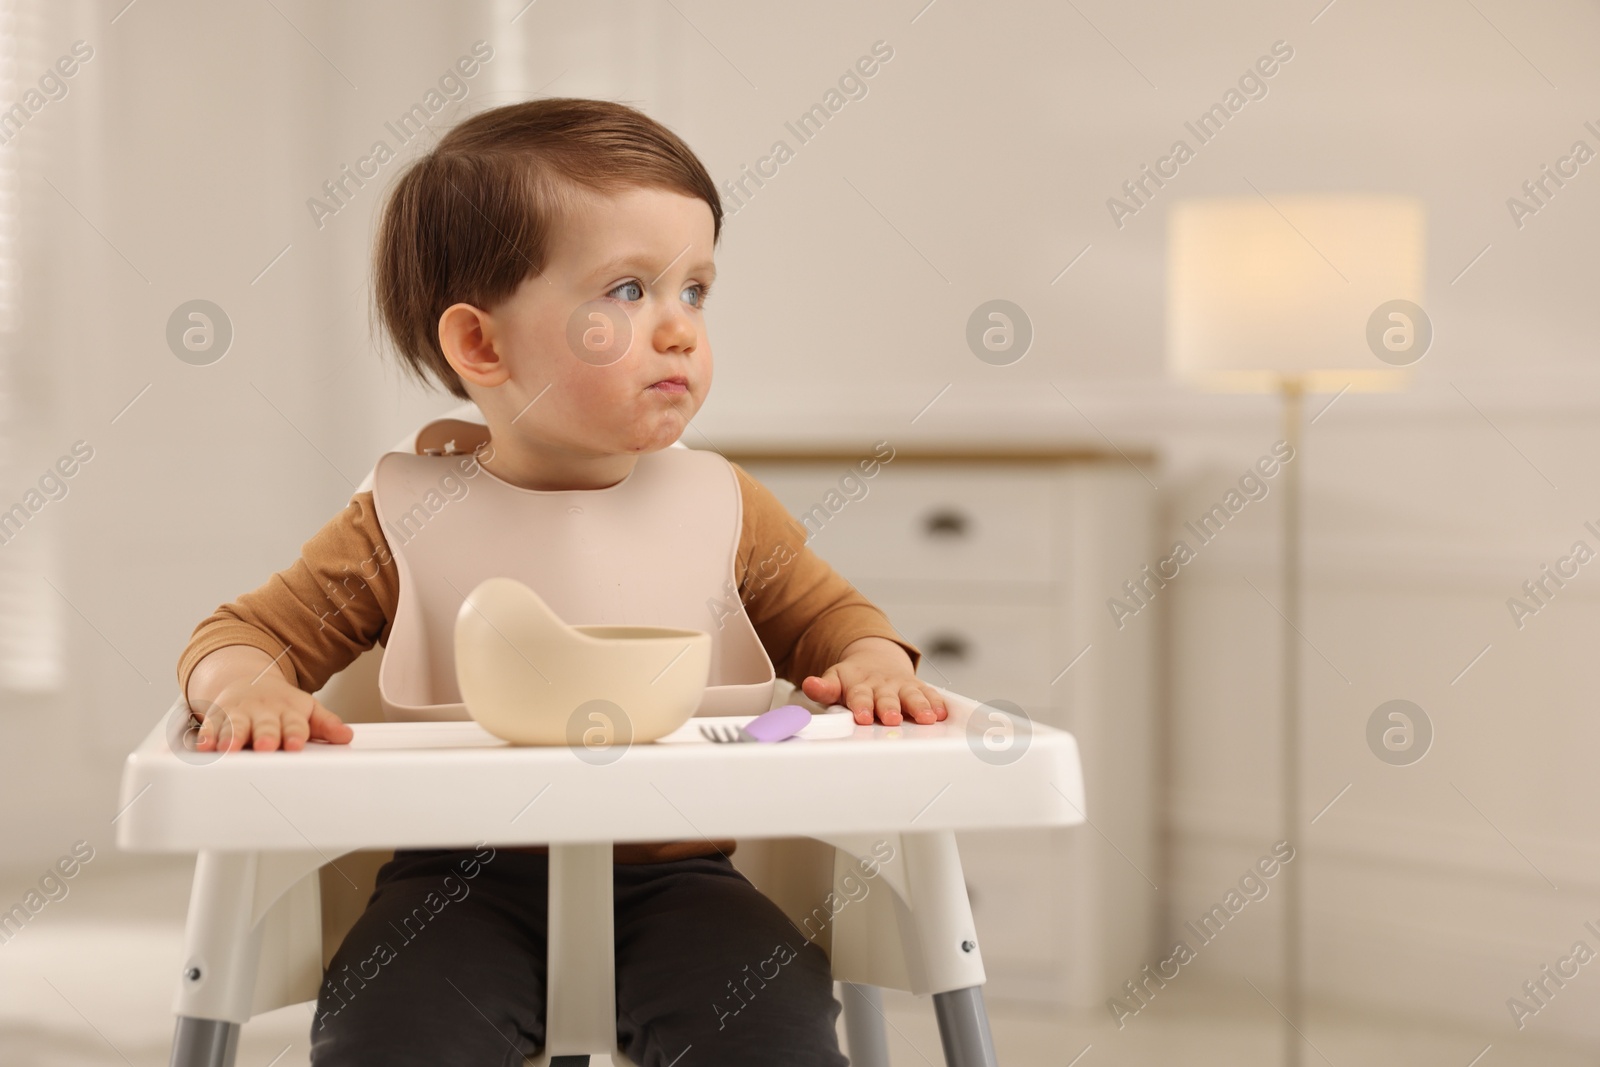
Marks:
<point>318,614</point>
<point>803,610</point>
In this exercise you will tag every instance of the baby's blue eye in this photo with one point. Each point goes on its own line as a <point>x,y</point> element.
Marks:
<point>700,291</point>
<point>633,287</point>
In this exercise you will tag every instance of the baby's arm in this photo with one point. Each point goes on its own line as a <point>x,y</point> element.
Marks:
<point>250,668</point>
<point>817,627</point>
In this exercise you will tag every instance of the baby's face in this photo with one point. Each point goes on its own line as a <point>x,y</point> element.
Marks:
<point>617,309</point>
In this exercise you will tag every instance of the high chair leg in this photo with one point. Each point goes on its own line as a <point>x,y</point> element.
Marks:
<point>224,965</point>
<point>204,1042</point>
<point>222,945</point>
<point>964,1028</point>
<point>864,1036</point>
<point>954,966</point>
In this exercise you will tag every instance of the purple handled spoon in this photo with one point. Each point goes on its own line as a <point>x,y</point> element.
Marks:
<point>779,724</point>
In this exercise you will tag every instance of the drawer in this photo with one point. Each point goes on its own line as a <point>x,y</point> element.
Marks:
<point>983,651</point>
<point>922,521</point>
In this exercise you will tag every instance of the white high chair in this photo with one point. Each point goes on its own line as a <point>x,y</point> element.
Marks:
<point>274,894</point>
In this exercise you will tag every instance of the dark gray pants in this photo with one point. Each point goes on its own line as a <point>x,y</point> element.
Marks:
<point>447,966</point>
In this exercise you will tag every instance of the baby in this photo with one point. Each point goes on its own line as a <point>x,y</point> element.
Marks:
<point>528,226</point>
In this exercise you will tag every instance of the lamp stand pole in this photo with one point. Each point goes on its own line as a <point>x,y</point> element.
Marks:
<point>1293,390</point>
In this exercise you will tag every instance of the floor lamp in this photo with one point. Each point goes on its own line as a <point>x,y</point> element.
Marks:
<point>1295,295</point>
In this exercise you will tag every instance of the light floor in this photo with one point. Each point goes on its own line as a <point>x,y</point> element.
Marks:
<point>89,982</point>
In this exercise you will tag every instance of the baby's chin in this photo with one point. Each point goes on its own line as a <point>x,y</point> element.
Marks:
<point>660,429</point>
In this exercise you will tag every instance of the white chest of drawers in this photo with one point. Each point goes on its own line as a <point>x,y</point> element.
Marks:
<point>998,567</point>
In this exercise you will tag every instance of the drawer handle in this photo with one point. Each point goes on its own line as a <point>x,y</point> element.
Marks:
<point>948,646</point>
<point>945,522</point>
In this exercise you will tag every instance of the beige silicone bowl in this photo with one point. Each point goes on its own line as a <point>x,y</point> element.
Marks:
<point>531,679</point>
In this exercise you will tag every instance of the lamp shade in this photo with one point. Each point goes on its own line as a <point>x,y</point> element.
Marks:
<point>1299,289</point>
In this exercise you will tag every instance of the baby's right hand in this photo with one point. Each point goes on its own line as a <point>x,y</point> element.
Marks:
<point>266,713</point>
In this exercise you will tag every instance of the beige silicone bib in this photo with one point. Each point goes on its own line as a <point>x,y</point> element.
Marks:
<point>656,549</point>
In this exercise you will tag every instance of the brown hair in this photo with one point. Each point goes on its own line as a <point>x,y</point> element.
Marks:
<point>469,221</point>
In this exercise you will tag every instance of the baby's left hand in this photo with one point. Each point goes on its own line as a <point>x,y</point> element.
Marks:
<point>875,677</point>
